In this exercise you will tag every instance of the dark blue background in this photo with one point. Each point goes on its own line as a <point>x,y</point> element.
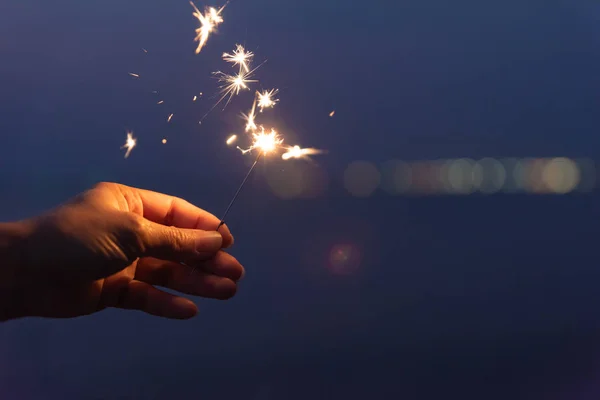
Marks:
<point>479,297</point>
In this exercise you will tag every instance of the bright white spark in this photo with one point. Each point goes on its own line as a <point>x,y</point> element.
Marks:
<point>263,141</point>
<point>231,140</point>
<point>170,118</point>
<point>266,100</point>
<point>134,75</point>
<point>208,23</point>
<point>331,114</point>
<point>145,51</point>
<point>160,102</point>
<point>129,143</point>
<point>195,98</point>
<point>233,84</point>
<point>298,152</point>
<point>240,57</point>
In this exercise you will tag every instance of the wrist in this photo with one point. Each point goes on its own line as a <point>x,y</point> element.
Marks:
<point>13,238</point>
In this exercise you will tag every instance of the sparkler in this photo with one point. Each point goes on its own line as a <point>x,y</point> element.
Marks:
<point>208,23</point>
<point>129,143</point>
<point>265,143</point>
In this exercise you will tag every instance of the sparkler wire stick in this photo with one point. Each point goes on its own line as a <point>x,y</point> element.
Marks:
<point>239,190</point>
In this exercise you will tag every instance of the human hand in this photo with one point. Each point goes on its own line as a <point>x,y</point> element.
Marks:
<point>110,247</point>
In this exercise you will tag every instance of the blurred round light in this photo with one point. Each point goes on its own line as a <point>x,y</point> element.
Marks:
<point>520,173</point>
<point>561,175</point>
<point>344,259</point>
<point>396,177</point>
<point>534,176</point>
<point>460,176</point>
<point>489,175</point>
<point>510,182</point>
<point>361,178</point>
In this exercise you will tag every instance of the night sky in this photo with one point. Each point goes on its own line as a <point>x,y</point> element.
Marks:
<point>434,296</point>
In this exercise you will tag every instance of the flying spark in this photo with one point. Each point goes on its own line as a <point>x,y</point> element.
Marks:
<point>160,102</point>
<point>144,50</point>
<point>134,75</point>
<point>250,124</point>
<point>266,100</point>
<point>170,118</point>
<point>195,98</point>
<point>129,143</point>
<point>240,57</point>
<point>331,114</point>
<point>298,152</point>
<point>208,23</point>
<point>231,140</point>
<point>164,141</point>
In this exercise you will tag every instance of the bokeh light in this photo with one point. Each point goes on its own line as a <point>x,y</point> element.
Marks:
<point>344,259</point>
<point>561,175</point>
<point>463,176</point>
<point>361,178</point>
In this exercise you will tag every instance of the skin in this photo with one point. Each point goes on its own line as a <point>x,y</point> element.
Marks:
<point>111,247</point>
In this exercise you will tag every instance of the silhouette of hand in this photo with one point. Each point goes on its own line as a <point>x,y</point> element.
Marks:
<point>110,247</point>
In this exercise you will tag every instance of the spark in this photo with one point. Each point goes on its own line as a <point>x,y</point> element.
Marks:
<point>160,102</point>
<point>134,75</point>
<point>331,114</point>
<point>240,57</point>
<point>263,141</point>
<point>129,143</point>
<point>155,91</point>
<point>170,117</point>
<point>265,99</point>
<point>233,85</point>
<point>250,124</point>
<point>195,98</point>
<point>164,141</point>
<point>231,140</point>
<point>298,152</point>
<point>144,50</point>
<point>208,23</point>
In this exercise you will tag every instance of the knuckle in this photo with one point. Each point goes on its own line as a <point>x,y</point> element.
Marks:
<point>133,231</point>
<point>104,185</point>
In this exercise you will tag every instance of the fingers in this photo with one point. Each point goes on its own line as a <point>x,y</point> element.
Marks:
<point>168,210</point>
<point>144,297</point>
<point>177,277</point>
<point>222,264</point>
<point>175,244</point>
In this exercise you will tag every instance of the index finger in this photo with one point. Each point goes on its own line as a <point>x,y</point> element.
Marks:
<point>174,211</point>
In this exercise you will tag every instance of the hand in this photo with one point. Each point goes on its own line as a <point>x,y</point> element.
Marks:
<point>110,247</point>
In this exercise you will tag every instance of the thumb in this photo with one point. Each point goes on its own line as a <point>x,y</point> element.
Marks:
<point>176,244</point>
